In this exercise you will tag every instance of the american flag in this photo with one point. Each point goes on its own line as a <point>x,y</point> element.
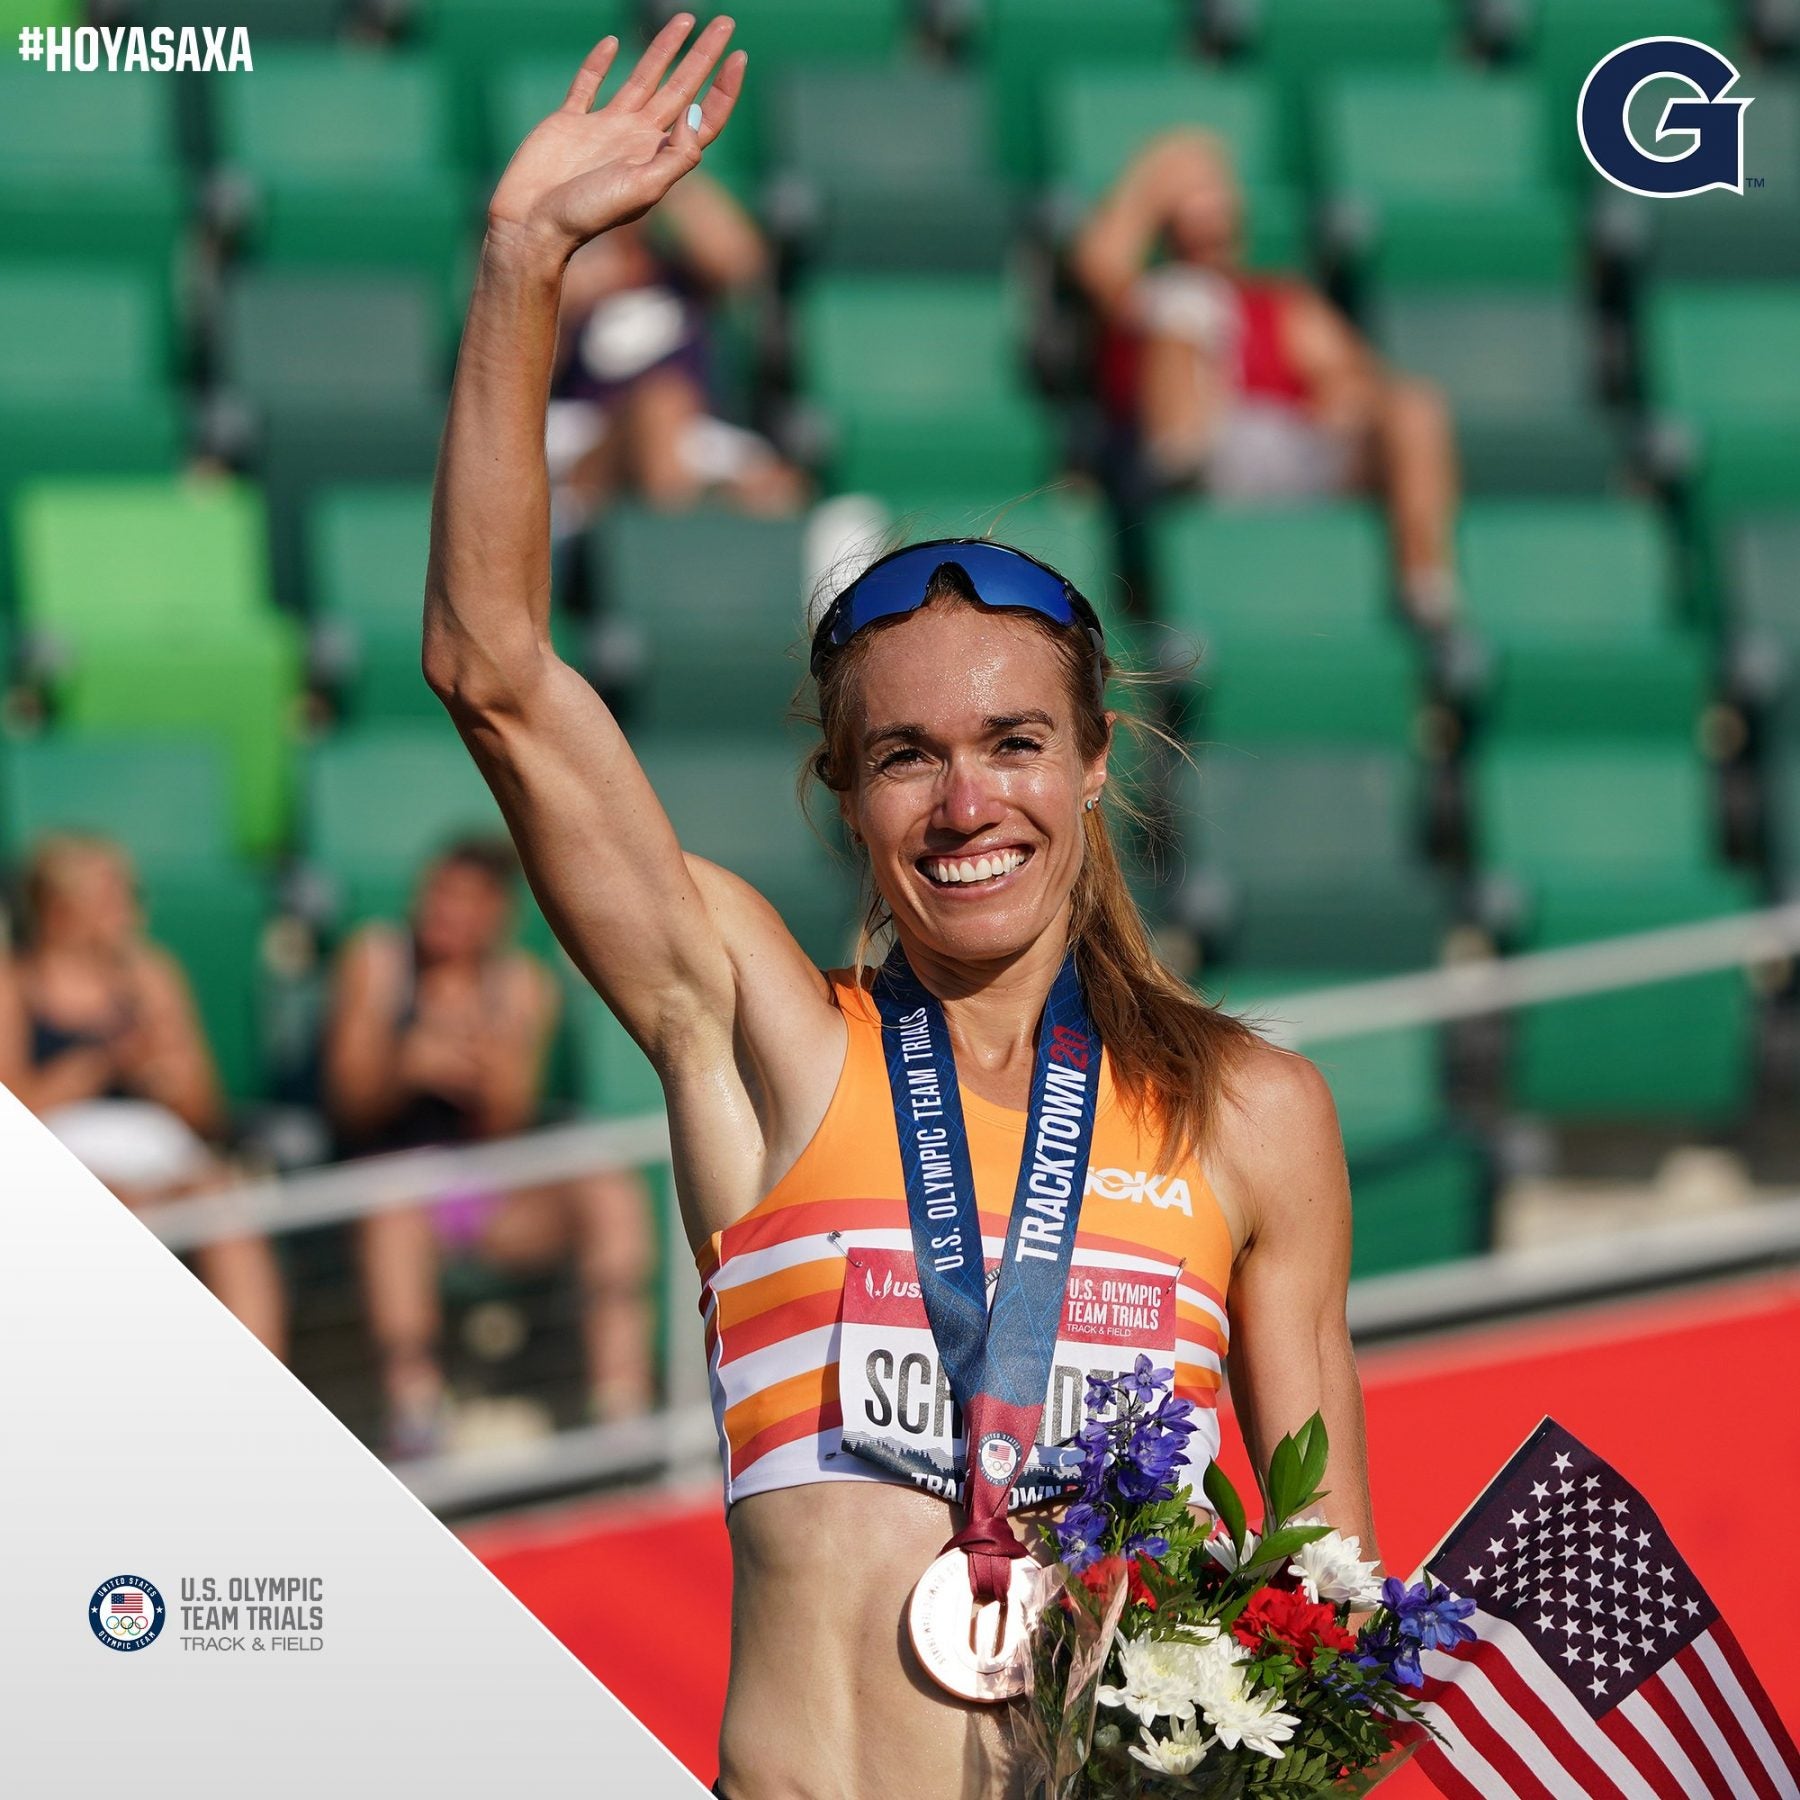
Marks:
<point>127,1600</point>
<point>1599,1670</point>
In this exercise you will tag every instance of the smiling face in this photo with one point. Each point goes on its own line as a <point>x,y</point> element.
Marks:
<point>968,780</point>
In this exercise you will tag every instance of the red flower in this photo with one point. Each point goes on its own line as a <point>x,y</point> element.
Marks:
<point>1291,1619</point>
<point>1136,1590</point>
<point>1099,1576</point>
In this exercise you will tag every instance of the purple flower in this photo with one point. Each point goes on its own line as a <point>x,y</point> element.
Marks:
<point>1100,1395</point>
<point>1147,1543</point>
<point>1080,1536</point>
<point>1382,1651</point>
<point>1428,1615</point>
<point>1144,1381</point>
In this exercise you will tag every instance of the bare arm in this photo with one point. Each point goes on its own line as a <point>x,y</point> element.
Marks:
<point>1113,246</point>
<point>165,1056</point>
<point>656,932</point>
<point>514,1047</point>
<point>77,1074</point>
<point>719,241</point>
<point>1342,376</point>
<point>362,1076</point>
<point>1290,1342</point>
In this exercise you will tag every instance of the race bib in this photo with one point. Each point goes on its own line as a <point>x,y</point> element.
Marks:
<point>898,1410</point>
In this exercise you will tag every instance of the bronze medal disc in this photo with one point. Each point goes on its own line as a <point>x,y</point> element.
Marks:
<point>976,1652</point>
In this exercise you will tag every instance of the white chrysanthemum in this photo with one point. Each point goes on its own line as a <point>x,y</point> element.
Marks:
<point>1161,1678</point>
<point>1220,1549</point>
<point>1178,1754</point>
<point>1330,1569</point>
<point>1218,1675</point>
<point>1250,1719</point>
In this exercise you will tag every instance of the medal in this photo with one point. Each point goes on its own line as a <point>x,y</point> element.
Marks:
<point>977,1650</point>
<point>972,1613</point>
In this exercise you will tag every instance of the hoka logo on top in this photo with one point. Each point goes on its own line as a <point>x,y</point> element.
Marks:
<point>1160,1190</point>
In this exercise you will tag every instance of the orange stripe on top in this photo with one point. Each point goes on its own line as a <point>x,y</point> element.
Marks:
<point>772,1282</point>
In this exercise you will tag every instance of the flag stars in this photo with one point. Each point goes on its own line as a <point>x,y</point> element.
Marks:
<point>1643,1540</point>
<point>1592,1482</point>
<point>1562,1460</point>
<point>1497,1547</point>
<point>1540,1490</point>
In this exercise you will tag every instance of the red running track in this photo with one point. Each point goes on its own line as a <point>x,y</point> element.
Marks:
<point>1691,1398</point>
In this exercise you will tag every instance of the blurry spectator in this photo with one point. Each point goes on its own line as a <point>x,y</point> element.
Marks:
<point>629,409</point>
<point>438,1034</point>
<point>100,1038</point>
<point>1256,386</point>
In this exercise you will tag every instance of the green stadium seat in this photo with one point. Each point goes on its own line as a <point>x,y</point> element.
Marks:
<point>1564,39</point>
<point>889,169</point>
<point>923,377</point>
<point>614,1079</point>
<point>165,801</point>
<point>1722,363</point>
<point>1725,356</point>
<point>1765,617</point>
<point>1297,40</point>
<point>1283,571</point>
<point>379,802</point>
<point>1444,177</point>
<point>344,378</point>
<point>1310,859</point>
<point>367,548</point>
<point>1096,120</point>
<point>1578,601</point>
<point>1026,45</point>
<point>1420,1184</point>
<point>1752,236</point>
<point>213,926</point>
<point>264,19</point>
<point>1676,1050</point>
<point>1339,689</point>
<point>235,681</point>
<point>1781,821</point>
<point>1388,1085</point>
<point>331,341</point>
<point>778,33</point>
<point>1618,815</point>
<point>90,169</point>
<point>84,376</point>
<point>1420,1203</point>
<point>729,802</point>
<point>98,558</point>
<point>1519,372</point>
<point>1288,608</point>
<point>703,616</point>
<point>348,158</point>
<point>473,38</point>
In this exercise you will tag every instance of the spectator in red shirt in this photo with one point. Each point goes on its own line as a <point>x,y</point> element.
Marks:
<point>1254,386</point>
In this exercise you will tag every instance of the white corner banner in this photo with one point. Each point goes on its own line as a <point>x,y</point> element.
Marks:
<point>211,1588</point>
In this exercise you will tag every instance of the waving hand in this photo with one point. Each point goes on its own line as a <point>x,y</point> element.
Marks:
<point>580,173</point>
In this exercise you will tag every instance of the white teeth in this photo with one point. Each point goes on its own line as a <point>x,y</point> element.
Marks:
<point>984,868</point>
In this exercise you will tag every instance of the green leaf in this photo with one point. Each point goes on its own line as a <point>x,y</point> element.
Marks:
<point>1283,1492</point>
<point>1278,1546</point>
<point>1314,1448</point>
<point>1222,1497</point>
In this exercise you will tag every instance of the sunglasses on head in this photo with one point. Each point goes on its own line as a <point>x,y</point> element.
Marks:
<point>996,575</point>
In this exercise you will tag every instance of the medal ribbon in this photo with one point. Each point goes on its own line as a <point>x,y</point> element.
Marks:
<point>998,1361</point>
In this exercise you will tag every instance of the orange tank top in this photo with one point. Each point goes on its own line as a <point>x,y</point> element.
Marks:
<point>772,1284</point>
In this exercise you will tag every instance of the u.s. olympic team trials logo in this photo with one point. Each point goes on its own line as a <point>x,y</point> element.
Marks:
<point>126,1613</point>
<point>1712,155</point>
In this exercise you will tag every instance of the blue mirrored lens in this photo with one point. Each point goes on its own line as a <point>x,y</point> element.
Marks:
<point>1000,577</point>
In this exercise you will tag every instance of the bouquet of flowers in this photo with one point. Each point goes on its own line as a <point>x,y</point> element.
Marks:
<point>1200,1657</point>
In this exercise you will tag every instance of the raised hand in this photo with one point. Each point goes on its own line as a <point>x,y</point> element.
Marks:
<point>580,173</point>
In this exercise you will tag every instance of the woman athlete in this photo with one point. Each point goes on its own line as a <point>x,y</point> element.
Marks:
<point>963,736</point>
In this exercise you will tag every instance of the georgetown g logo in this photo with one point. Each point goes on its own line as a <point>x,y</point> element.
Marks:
<point>1713,155</point>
